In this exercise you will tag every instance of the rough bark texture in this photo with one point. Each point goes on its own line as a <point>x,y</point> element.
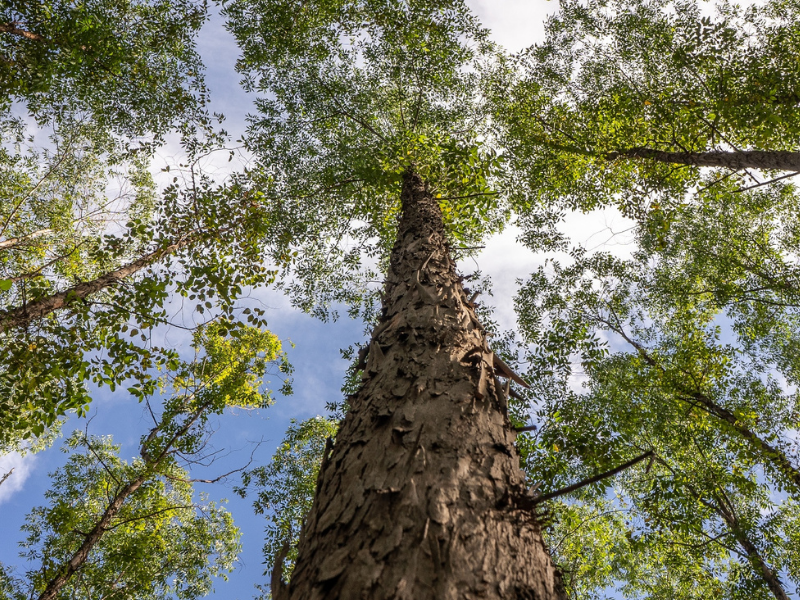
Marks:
<point>422,496</point>
<point>754,159</point>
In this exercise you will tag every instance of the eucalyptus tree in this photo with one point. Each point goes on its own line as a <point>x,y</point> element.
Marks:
<point>369,128</point>
<point>121,530</point>
<point>626,101</point>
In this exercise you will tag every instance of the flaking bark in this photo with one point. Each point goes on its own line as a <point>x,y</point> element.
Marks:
<point>422,496</point>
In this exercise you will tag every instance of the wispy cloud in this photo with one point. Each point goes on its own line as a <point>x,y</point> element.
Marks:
<point>23,467</point>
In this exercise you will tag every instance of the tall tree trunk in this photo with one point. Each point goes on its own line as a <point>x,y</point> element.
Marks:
<point>93,537</point>
<point>758,563</point>
<point>422,496</point>
<point>765,160</point>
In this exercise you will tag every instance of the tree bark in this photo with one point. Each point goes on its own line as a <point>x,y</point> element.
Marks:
<point>422,496</point>
<point>14,30</point>
<point>767,574</point>
<point>764,160</point>
<point>12,243</point>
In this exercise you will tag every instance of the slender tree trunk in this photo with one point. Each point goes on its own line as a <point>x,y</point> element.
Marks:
<point>79,558</point>
<point>22,316</point>
<point>754,556</point>
<point>766,160</point>
<point>91,539</point>
<point>12,243</point>
<point>726,512</point>
<point>752,159</point>
<point>770,454</point>
<point>422,496</point>
<point>763,569</point>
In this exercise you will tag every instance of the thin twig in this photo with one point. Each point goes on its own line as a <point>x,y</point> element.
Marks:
<point>525,428</point>
<point>750,187</point>
<point>6,476</point>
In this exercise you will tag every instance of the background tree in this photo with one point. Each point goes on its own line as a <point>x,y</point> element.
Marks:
<point>121,530</point>
<point>285,490</point>
<point>625,101</point>
<point>197,243</point>
<point>90,249</point>
<point>700,322</point>
<point>348,103</point>
<point>130,66</point>
<point>624,105</point>
<point>163,543</point>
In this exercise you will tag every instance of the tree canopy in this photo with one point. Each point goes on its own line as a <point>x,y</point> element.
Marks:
<point>624,102</point>
<point>351,95</point>
<point>659,431</point>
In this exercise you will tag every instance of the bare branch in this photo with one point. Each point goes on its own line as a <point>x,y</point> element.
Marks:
<point>591,480</point>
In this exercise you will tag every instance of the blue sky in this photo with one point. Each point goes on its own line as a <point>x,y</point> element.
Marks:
<point>319,367</point>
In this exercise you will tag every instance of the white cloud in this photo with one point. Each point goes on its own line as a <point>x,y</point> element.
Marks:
<point>515,24</point>
<point>505,260</point>
<point>22,467</point>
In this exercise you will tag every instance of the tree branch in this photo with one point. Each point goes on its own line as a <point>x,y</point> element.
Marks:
<point>591,480</point>
<point>6,476</point>
<point>14,30</point>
